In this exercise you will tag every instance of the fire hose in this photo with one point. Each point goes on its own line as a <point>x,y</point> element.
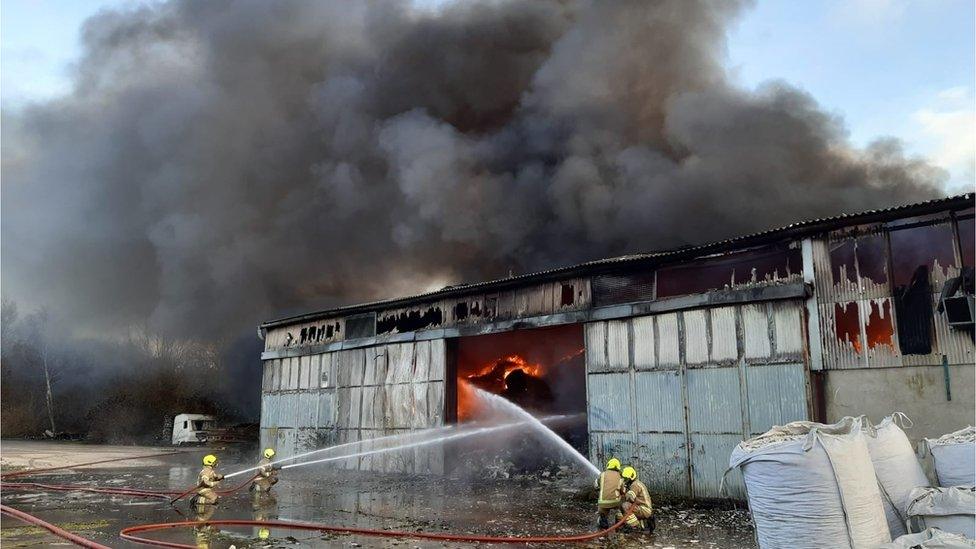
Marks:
<point>128,533</point>
<point>60,532</point>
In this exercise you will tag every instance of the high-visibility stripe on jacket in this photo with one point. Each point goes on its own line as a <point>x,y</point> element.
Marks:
<point>638,495</point>
<point>611,486</point>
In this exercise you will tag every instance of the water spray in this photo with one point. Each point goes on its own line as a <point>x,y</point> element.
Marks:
<point>414,434</point>
<point>498,402</point>
<point>438,440</point>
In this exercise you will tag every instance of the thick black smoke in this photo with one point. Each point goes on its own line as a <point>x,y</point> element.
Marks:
<point>221,163</point>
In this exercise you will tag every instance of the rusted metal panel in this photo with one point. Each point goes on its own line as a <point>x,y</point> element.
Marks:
<point>775,394</point>
<point>724,334</point>
<point>755,332</point>
<point>659,402</point>
<point>669,353</point>
<point>596,346</point>
<point>788,329</point>
<point>662,462</point>
<point>696,336</point>
<point>618,345</point>
<point>644,355</point>
<point>710,459</point>
<point>609,402</point>
<point>714,402</point>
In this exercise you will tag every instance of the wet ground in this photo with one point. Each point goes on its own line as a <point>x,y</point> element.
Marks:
<point>553,505</point>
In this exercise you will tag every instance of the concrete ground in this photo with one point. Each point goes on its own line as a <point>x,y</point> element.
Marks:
<point>520,506</point>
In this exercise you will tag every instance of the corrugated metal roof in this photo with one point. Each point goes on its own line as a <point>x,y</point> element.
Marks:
<point>811,226</point>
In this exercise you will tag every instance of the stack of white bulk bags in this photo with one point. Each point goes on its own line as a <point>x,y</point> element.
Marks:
<point>812,485</point>
<point>897,469</point>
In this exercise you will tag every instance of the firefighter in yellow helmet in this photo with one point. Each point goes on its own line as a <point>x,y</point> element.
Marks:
<point>207,481</point>
<point>610,488</point>
<point>267,473</point>
<point>638,501</point>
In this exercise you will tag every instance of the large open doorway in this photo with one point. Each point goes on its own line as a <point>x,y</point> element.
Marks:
<point>542,370</point>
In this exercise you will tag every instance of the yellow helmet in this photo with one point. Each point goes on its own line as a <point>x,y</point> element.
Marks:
<point>269,453</point>
<point>629,473</point>
<point>264,533</point>
<point>613,464</point>
<point>210,460</point>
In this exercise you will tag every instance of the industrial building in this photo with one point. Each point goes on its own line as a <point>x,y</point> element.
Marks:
<point>674,356</point>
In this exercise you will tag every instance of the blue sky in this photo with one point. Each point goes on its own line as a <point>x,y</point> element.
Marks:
<point>888,67</point>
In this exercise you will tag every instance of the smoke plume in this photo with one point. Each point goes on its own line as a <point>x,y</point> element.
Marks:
<point>221,163</point>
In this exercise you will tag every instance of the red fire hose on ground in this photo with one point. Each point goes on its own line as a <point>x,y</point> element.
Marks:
<point>60,532</point>
<point>128,533</point>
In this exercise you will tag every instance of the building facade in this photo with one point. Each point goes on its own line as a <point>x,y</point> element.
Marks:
<point>682,353</point>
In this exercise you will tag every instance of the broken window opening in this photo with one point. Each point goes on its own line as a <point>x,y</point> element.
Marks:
<point>967,241</point>
<point>872,259</point>
<point>408,322</point>
<point>843,262</point>
<point>328,331</point>
<point>847,324</point>
<point>913,305</point>
<point>568,296</point>
<point>475,309</point>
<point>929,246</point>
<point>741,269</point>
<point>491,307</point>
<point>303,335</point>
<point>879,329</point>
<point>461,311</point>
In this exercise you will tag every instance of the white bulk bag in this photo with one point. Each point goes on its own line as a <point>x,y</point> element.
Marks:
<point>932,538</point>
<point>955,457</point>
<point>897,469</point>
<point>812,485</point>
<point>950,509</point>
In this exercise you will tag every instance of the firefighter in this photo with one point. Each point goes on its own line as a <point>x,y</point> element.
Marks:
<point>610,487</point>
<point>207,481</point>
<point>638,500</point>
<point>267,473</point>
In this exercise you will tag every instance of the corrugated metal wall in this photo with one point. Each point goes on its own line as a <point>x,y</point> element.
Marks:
<point>674,393</point>
<point>854,288</point>
<point>357,394</point>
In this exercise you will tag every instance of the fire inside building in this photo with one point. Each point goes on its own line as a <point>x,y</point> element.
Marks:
<point>670,358</point>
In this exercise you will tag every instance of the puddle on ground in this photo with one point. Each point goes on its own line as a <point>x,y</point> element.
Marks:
<point>518,507</point>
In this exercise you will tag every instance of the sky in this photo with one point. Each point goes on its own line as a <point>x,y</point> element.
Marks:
<point>887,67</point>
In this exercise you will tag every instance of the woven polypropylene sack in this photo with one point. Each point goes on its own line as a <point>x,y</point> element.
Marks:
<point>811,486</point>
<point>931,538</point>
<point>950,509</point>
<point>955,457</point>
<point>897,469</point>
